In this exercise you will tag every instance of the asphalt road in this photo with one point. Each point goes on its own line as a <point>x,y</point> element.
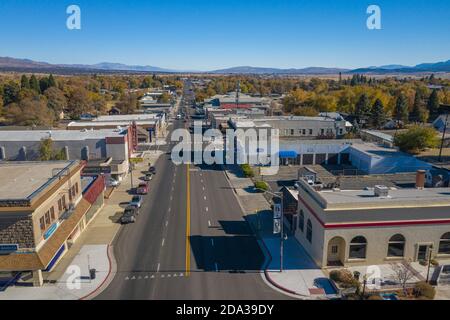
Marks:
<point>188,245</point>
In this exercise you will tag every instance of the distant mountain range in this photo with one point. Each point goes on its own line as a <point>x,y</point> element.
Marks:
<point>26,65</point>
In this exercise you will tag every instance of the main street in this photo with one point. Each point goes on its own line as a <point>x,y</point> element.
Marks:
<point>190,241</point>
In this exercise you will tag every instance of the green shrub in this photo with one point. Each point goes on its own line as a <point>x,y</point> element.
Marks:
<point>424,289</point>
<point>416,139</point>
<point>261,185</point>
<point>247,170</point>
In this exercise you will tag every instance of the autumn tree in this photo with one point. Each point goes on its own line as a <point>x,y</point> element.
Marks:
<point>416,139</point>
<point>79,102</point>
<point>128,103</point>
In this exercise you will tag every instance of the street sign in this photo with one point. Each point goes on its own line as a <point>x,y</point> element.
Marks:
<point>276,226</point>
<point>277,210</point>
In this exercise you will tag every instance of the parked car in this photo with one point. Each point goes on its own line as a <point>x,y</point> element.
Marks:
<point>129,215</point>
<point>152,170</point>
<point>112,182</point>
<point>148,177</point>
<point>136,201</point>
<point>142,188</point>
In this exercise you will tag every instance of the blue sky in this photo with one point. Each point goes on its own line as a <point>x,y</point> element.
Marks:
<point>212,34</point>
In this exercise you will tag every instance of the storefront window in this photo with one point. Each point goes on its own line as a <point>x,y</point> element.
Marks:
<point>358,248</point>
<point>396,246</point>
<point>444,244</point>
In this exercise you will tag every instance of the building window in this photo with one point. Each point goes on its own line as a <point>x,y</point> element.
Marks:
<point>304,132</point>
<point>301,221</point>
<point>444,244</point>
<point>396,246</point>
<point>60,205</point>
<point>292,132</point>
<point>322,131</point>
<point>47,218</point>
<point>334,249</point>
<point>310,132</point>
<point>52,213</point>
<point>358,248</point>
<point>64,201</point>
<point>309,231</point>
<point>42,223</point>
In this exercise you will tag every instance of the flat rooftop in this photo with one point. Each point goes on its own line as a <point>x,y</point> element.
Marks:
<point>59,135</point>
<point>122,123</point>
<point>127,117</point>
<point>20,180</point>
<point>409,197</point>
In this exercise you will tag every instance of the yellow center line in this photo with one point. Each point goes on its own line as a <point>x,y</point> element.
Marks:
<point>188,224</point>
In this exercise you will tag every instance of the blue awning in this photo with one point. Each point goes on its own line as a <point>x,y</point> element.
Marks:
<point>287,154</point>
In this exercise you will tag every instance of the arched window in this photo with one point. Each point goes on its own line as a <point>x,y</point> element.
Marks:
<point>358,248</point>
<point>396,246</point>
<point>309,231</point>
<point>301,221</point>
<point>444,244</point>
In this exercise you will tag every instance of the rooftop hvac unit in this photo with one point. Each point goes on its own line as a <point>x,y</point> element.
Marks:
<point>381,191</point>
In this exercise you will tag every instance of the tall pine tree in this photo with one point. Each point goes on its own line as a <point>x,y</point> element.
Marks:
<point>34,84</point>
<point>433,103</point>
<point>24,82</point>
<point>362,109</point>
<point>51,81</point>
<point>401,111</point>
<point>418,113</point>
<point>378,117</point>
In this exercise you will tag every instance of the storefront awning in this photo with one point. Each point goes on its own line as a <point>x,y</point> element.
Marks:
<point>287,154</point>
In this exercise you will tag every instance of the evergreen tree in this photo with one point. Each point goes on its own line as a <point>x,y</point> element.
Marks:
<point>362,109</point>
<point>34,84</point>
<point>43,84</point>
<point>51,81</point>
<point>418,113</point>
<point>401,111</point>
<point>433,103</point>
<point>378,117</point>
<point>24,82</point>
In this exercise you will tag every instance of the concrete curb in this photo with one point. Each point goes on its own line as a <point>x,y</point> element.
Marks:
<point>266,252</point>
<point>109,277</point>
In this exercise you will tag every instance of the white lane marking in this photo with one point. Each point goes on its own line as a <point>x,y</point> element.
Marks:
<point>126,278</point>
<point>133,278</point>
<point>217,267</point>
<point>201,180</point>
<point>167,223</point>
<point>204,197</point>
<point>146,277</point>
<point>157,268</point>
<point>170,208</point>
<point>206,209</point>
<point>212,242</point>
<point>162,243</point>
<point>209,223</point>
<point>203,188</point>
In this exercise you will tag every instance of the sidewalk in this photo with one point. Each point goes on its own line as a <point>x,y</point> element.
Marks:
<point>93,248</point>
<point>301,277</point>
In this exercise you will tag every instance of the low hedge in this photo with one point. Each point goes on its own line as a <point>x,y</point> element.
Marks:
<point>424,289</point>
